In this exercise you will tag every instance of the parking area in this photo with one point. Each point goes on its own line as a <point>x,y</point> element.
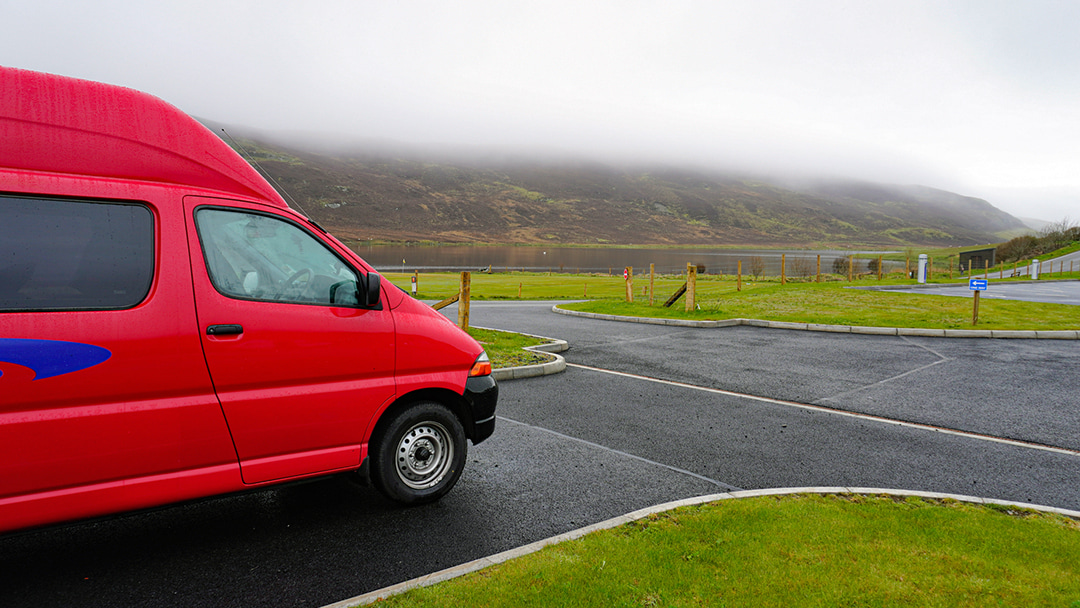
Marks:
<point>643,415</point>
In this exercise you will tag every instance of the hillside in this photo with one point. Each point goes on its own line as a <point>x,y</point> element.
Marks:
<point>397,198</point>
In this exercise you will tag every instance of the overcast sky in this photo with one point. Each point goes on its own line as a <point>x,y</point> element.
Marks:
<point>979,96</point>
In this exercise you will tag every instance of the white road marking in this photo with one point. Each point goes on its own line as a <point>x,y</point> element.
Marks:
<point>838,412</point>
<point>720,484</point>
<point>941,359</point>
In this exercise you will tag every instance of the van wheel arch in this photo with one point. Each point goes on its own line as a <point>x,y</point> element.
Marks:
<point>451,400</point>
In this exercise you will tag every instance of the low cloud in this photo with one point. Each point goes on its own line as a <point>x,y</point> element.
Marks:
<point>967,96</point>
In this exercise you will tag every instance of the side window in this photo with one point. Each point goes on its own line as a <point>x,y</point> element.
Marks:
<point>74,255</point>
<point>257,257</point>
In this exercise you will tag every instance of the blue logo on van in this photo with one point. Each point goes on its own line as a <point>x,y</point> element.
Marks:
<point>49,358</point>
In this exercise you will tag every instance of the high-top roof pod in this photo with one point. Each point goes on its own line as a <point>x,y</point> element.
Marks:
<point>133,135</point>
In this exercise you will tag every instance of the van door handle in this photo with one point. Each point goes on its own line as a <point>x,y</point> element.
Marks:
<point>224,330</point>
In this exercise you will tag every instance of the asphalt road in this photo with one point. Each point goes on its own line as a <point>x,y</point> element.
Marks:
<point>582,446</point>
<point>1054,264</point>
<point>1052,292</point>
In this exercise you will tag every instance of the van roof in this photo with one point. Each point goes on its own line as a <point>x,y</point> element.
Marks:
<point>58,124</point>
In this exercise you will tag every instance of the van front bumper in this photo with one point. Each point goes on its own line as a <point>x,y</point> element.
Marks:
<point>481,393</point>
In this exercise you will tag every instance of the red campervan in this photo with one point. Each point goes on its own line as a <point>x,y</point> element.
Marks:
<point>171,329</point>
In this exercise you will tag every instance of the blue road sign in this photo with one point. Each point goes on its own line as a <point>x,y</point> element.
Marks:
<point>977,284</point>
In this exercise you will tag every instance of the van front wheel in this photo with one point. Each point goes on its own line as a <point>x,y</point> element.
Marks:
<point>418,455</point>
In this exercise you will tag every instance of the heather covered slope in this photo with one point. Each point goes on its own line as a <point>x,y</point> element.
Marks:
<point>408,198</point>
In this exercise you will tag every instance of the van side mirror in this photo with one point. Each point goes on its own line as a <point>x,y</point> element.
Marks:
<point>372,289</point>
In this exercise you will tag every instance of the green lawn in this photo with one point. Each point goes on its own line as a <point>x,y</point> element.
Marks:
<point>802,301</point>
<point>831,304</point>
<point>798,550</point>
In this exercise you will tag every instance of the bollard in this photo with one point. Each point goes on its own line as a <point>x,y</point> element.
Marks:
<point>922,268</point>
<point>1034,271</point>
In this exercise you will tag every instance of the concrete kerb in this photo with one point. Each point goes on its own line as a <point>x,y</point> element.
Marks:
<point>551,347</point>
<point>853,329</point>
<point>484,562</point>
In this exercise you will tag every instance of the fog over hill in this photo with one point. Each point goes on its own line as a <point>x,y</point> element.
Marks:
<point>379,194</point>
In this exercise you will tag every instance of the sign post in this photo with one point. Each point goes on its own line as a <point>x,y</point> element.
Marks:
<point>978,286</point>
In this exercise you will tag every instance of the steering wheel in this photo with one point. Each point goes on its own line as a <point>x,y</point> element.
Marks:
<point>290,283</point>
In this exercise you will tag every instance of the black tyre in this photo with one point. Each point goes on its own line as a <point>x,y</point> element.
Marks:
<point>417,456</point>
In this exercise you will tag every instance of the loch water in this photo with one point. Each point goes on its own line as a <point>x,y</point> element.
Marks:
<point>602,260</point>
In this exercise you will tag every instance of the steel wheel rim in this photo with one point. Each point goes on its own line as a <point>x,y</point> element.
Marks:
<point>424,455</point>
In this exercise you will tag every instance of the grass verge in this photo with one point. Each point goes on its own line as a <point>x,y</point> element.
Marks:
<point>831,304</point>
<point>797,301</point>
<point>506,349</point>
<point>799,550</point>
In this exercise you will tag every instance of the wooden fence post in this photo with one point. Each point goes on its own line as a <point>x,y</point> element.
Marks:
<point>783,268</point>
<point>691,286</point>
<point>879,267</point>
<point>629,274</point>
<point>819,268</point>
<point>850,267</point>
<point>463,301</point>
<point>652,282</point>
<point>738,278</point>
